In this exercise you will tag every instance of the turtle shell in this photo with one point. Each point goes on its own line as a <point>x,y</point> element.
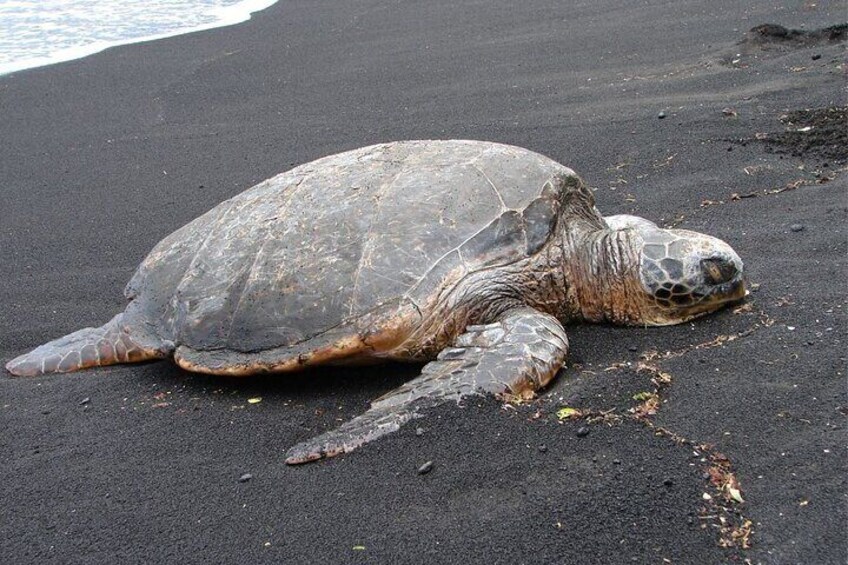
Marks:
<point>330,241</point>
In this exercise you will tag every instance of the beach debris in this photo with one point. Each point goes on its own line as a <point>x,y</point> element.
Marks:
<point>567,413</point>
<point>425,468</point>
<point>254,400</point>
<point>661,115</point>
<point>797,227</point>
<point>734,494</point>
<point>419,432</point>
<point>84,401</point>
<point>741,535</point>
<point>359,548</point>
<point>730,112</point>
<point>245,477</point>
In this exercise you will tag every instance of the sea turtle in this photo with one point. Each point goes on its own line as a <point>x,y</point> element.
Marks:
<point>468,255</point>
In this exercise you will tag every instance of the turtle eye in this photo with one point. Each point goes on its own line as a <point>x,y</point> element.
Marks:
<point>718,270</point>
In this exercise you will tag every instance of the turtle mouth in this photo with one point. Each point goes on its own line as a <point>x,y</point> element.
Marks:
<point>720,296</point>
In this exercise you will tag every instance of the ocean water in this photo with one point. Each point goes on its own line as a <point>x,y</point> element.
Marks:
<point>41,32</point>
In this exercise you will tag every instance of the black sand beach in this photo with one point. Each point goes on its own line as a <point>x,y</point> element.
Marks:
<point>104,156</point>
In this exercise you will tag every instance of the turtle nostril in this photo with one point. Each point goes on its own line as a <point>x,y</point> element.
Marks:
<point>718,270</point>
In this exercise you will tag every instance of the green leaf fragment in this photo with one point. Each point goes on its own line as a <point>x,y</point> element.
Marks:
<point>566,413</point>
<point>641,396</point>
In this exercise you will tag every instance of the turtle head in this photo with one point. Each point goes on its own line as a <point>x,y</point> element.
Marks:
<point>682,274</point>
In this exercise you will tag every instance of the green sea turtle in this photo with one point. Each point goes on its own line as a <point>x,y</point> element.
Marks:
<point>468,255</point>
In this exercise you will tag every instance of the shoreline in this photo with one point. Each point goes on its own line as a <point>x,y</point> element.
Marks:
<point>228,16</point>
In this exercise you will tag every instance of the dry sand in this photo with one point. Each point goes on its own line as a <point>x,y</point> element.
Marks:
<point>104,156</point>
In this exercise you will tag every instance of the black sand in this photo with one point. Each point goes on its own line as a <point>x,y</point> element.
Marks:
<point>104,156</point>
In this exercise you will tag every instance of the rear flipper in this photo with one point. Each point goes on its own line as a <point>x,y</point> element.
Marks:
<point>522,351</point>
<point>88,347</point>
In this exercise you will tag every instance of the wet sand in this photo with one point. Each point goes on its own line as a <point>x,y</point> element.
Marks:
<point>104,156</point>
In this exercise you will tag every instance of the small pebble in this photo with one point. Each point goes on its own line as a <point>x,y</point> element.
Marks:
<point>425,468</point>
<point>419,432</point>
<point>616,462</point>
<point>84,401</point>
<point>543,448</point>
<point>816,57</point>
<point>668,482</point>
<point>633,349</point>
<point>705,476</point>
<point>661,115</point>
<point>246,477</point>
<point>796,227</point>
<point>582,431</point>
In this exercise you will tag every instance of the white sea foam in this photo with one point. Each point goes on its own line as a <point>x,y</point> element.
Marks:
<point>34,33</point>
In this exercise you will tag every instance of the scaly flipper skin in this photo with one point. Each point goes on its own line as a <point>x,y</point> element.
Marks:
<point>522,351</point>
<point>89,347</point>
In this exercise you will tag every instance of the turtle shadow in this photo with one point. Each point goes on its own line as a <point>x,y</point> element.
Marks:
<point>305,386</point>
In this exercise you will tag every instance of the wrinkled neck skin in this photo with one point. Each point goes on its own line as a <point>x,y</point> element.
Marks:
<point>594,278</point>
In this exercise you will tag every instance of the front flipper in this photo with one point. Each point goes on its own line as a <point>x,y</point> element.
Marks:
<point>522,351</point>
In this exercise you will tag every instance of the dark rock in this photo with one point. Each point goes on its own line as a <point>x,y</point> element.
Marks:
<point>419,432</point>
<point>582,431</point>
<point>244,478</point>
<point>668,482</point>
<point>661,115</point>
<point>425,468</point>
<point>616,461</point>
<point>543,448</point>
<point>796,227</point>
<point>816,57</point>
